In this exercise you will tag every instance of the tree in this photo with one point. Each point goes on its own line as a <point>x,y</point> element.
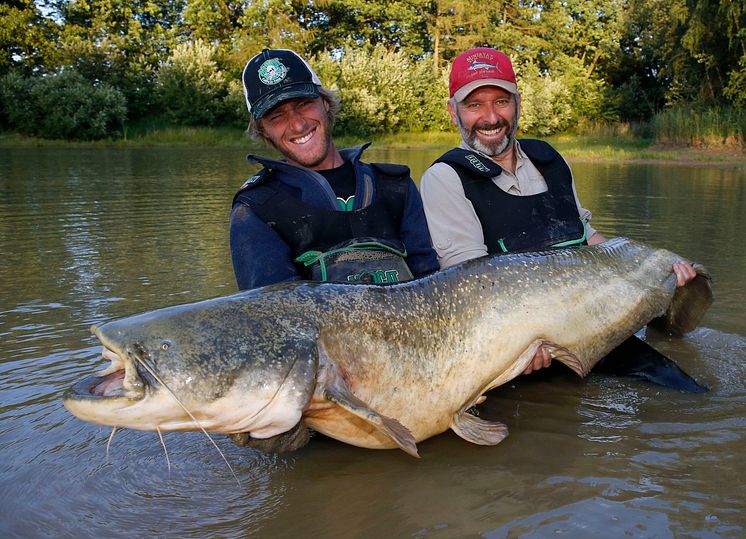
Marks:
<point>191,88</point>
<point>120,42</point>
<point>272,24</point>
<point>64,105</point>
<point>25,36</point>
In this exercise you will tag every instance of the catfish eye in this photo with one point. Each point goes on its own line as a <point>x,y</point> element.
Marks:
<point>166,345</point>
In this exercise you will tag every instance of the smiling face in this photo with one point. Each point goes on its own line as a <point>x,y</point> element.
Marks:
<point>301,130</point>
<point>487,119</point>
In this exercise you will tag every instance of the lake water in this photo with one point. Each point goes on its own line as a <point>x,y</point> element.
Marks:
<point>91,235</point>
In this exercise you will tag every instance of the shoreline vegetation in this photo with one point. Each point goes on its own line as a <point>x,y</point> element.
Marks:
<point>602,79</point>
<point>599,144</point>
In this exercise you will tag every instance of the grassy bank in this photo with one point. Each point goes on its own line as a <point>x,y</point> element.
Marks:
<point>602,145</point>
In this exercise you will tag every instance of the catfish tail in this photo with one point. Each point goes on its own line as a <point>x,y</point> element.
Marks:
<point>688,306</point>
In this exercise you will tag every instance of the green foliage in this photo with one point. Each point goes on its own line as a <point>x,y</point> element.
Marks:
<point>384,92</point>
<point>191,88</point>
<point>736,89</point>
<point>121,42</point>
<point>718,127</point>
<point>629,101</point>
<point>64,106</point>
<point>25,36</point>
<point>396,25</point>
<point>578,61</point>
<point>236,112</point>
<point>546,104</point>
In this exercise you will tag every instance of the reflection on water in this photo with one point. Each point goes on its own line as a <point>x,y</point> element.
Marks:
<point>90,235</point>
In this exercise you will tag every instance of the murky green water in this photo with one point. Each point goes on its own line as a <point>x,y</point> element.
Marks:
<point>90,235</point>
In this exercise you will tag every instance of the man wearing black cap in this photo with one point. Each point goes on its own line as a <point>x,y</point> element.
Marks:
<point>320,213</point>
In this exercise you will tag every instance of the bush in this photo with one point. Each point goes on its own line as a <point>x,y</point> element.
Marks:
<point>62,106</point>
<point>546,104</point>
<point>190,86</point>
<point>628,102</point>
<point>717,127</point>
<point>234,103</point>
<point>735,91</point>
<point>554,102</point>
<point>384,92</point>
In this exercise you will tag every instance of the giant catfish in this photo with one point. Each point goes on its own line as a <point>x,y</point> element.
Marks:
<point>380,366</point>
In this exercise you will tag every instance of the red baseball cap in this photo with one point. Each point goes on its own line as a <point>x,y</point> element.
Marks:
<point>481,67</point>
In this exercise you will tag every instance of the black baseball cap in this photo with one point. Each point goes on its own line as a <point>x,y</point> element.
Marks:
<point>276,75</point>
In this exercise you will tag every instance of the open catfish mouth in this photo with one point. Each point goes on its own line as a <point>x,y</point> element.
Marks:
<point>124,378</point>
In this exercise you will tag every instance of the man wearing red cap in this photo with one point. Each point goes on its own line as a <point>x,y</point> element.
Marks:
<point>495,193</point>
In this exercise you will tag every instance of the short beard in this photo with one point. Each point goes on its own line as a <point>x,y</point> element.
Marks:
<point>494,149</point>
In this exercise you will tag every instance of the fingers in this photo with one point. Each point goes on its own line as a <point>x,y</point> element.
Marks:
<point>684,273</point>
<point>542,359</point>
<point>546,358</point>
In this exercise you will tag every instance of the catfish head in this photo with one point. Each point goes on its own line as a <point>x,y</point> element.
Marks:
<point>224,365</point>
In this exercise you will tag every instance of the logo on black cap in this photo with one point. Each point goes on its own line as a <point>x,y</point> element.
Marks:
<point>273,71</point>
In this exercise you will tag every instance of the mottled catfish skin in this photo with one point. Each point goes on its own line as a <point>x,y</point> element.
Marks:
<point>380,366</point>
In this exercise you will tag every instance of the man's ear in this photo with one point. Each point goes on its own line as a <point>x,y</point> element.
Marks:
<point>452,112</point>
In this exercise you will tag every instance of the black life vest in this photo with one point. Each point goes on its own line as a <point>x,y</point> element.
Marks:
<point>362,245</point>
<point>519,223</point>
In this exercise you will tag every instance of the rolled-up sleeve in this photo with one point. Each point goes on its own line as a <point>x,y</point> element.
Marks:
<point>454,226</point>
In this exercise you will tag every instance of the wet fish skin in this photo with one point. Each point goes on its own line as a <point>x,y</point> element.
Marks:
<point>382,367</point>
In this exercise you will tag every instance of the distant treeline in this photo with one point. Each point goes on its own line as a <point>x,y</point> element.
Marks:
<point>91,69</point>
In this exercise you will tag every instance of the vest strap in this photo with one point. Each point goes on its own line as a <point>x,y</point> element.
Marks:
<point>379,263</point>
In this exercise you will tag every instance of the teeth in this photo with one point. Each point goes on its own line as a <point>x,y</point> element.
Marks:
<point>303,139</point>
<point>131,384</point>
<point>110,354</point>
<point>490,132</point>
<point>116,362</point>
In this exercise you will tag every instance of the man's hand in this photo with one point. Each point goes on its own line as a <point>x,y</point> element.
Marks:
<point>684,273</point>
<point>541,360</point>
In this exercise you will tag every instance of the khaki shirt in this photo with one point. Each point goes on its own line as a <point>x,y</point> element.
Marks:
<point>454,226</point>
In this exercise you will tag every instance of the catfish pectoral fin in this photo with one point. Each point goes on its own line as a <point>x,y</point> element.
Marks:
<point>563,355</point>
<point>518,366</point>
<point>291,440</point>
<point>400,434</point>
<point>478,431</point>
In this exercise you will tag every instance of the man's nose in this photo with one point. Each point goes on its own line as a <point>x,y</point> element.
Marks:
<point>296,120</point>
<point>490,113</point>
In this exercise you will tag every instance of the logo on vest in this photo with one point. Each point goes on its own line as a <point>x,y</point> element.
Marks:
<point>272,71</point>
<point>476,163</point>
<point>251,181</point>
<point>379,277</point>
<point>346,204</point>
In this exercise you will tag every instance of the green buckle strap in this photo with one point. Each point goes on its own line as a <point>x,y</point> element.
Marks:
<point>311,257</point>
<point>560,244</point>
<point>573,242</point>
